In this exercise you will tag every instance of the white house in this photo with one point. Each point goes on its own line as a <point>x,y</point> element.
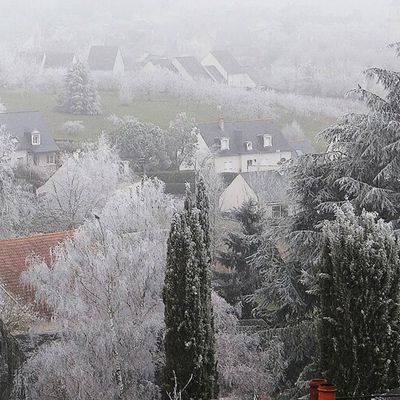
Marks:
<point>269,188</point>
<point>240,146</point>
<point>106,60</point>
<point>35,145</point>
<point>233,73</point>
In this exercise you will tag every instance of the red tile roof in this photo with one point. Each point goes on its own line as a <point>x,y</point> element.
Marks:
<point>13,262</point>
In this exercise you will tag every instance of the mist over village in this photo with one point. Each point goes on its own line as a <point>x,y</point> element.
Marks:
<point>200,200</point>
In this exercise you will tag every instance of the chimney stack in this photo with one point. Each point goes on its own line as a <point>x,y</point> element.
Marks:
<point>221,123</point>
<point>314,385</point>
<point>326,392</point>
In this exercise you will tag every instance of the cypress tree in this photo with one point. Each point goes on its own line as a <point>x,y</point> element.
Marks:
<point>204,243</point>
<point>189,340</point>
<point>359,304</point>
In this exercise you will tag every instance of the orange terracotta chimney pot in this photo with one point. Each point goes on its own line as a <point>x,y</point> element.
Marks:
<point>326,392</point>
<point>314,384</point>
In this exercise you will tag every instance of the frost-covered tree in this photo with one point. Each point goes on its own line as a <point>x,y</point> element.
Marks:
<point>143,144</point>
<point>16,317</point>
<point>361,166</point>
<point>203,255</point>
<point>73,127</point>
<point>79,96</point>
<point>362,161</point>
<point>181,140</point>
<point>82,185</point>
<point>17,202</point>
<point>189,338</point>
<point>359,303</point>
<point>242,280</point>
<point>104,286</point>
<point>248,365</point>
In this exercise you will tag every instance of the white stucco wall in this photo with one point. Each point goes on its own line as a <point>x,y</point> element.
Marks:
<point>236,194</point>
<point>202,155</point>
<point>240,81</point>
<point>181,70</point>
<point>119,66</point>
<point>211,60</point>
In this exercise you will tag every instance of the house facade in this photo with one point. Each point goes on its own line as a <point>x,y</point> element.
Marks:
<point>240,146</point>
<point>35,145</point>
<point>227,66</point>
<point>268,188</point>
<point>106,60</point>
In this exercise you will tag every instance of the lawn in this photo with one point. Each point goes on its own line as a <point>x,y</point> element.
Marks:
<point>158,111</point>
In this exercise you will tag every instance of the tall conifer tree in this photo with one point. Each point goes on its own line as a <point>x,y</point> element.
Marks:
<point>359,304</point>
<point>189,339</point>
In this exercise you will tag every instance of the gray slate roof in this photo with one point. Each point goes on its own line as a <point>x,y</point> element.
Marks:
<point>239,132</point>
<point>269,186</point>
<point>215,74</point>
<point>228,62</point>
<point>21,124</point>
<point>164,63</point>
<point>102,58</point>
<point>58,59</point>
<point>302,146</point>
<point>193,67</point>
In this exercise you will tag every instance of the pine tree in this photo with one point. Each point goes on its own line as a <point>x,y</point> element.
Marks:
<point>361,165</point>
<point>79,95</point>
<point>241,247</point>
<point>359,303</point>
<point>189,338</point>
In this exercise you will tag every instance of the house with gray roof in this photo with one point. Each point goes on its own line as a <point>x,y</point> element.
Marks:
<point>35,144</point>
<point>268,188</point>
<point>152,65</point>
<point>241,146</point>
<point>57,60</point>
<point>106,60</point>
<point>234,74</point>
<point>190,68</point>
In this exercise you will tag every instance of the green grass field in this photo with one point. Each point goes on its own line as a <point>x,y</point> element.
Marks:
<point>158,111</point>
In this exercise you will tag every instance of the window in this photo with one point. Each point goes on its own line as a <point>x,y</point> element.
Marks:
<point>280,211</point>
<point>224,144</point>
<point>35,134</point>
<point>251,163</point>
<point>267,141</point>
<point>228,166</point>
<point>248,146</point>
<point>51,158</point>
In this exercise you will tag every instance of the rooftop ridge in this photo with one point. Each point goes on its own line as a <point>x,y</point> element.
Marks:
<point>240,120</point>
<point>38,235</point>
<point>20,112</point>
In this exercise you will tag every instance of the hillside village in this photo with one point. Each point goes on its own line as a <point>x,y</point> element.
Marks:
<point>199,214</point>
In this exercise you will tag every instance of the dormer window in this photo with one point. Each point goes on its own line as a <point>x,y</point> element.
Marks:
<point>248,146</point>
<point>224,144</point>
<point>267,140</point>
<point>35,135</point>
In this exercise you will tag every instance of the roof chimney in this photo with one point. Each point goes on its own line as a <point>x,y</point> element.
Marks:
<point>221,119</point>
<point>221,123</point>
